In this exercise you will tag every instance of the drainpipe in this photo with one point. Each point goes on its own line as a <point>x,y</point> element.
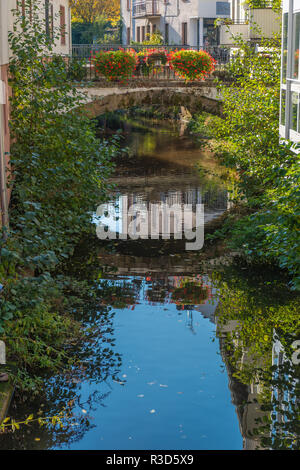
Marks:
<point>131,21</point>
<point>3,188</point>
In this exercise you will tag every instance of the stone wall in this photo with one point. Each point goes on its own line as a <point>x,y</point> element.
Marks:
<point>194,99</point>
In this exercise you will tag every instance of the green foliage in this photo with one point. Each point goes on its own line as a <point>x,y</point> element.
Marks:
<point>155,39</point>
<point>275,4</point>
<point>247,139</point>
<point>60,168</point>
<point>115,65</point>
<point>101,31</point>
<point>64,68</point>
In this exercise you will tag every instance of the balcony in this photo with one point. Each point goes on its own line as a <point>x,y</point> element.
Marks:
<point>147,9</point>
<point>261,22</point>
<point>232,28</point>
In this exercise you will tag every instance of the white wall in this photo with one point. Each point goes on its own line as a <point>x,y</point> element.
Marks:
<point>59,48</point>
<point>6,25</point>
<point>175,12</point>
<point>125,15</point>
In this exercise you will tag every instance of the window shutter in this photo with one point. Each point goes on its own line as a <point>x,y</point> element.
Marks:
<point>62,11</point>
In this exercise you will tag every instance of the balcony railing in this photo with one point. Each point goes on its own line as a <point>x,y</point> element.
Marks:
<point>150,8</point>
<point>259,4</point>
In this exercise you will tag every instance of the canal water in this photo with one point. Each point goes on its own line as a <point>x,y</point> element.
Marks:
<point>153,372</point>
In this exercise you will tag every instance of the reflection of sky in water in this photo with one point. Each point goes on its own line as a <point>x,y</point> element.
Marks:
<point>173,393</point>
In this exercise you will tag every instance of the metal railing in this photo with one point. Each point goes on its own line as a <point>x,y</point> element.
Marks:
<point>81,60</point>
<point>231,21</point>
<point>86,51</point>
<point>257,5</point>
<point>146,8</point>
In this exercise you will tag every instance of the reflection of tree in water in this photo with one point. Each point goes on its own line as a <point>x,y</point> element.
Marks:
<point>282,429</point>
<point>257,327</point>
<point>96,362</point>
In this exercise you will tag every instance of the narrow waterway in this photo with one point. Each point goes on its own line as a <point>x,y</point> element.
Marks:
<point>155,371</point>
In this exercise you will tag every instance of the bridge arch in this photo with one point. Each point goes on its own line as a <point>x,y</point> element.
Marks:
<point>102,100</point>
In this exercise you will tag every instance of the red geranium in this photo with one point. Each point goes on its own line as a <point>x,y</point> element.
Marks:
<point>191,65</point>
<point>115,65</point>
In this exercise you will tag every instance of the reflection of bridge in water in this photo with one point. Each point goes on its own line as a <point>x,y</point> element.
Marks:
<point>184,263</point>
<point>163,212</point>
<point>155,188</point>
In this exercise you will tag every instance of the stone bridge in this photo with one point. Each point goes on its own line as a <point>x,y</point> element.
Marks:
<point>203,97</point>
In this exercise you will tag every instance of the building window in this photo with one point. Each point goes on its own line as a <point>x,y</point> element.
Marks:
<point>154,29</point>
<point>62,12</point>
<point>210,32</point>
<point>284,51</point>
<point>223,8</point>
<point>143,33</point>
<point>282,107</point>
<point>238,10</point>
<point>138,34</point>
<point>128,5</point>
<point>21,4</point>
<point>128,35</point>
<point>295,112</point>
<point>148,31</point>
<point>296,38</point>
<point>49,19</point>
<point>184,34</point>
<point>290,73</point>
<point>51,14</point>
<point>166,33</point>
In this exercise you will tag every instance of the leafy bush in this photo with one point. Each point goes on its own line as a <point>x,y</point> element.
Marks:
<point>60,171</point>
<point>191,65</point>
<point>247,139</point>
<point>58,68</point>
<point>154,39</point>
<point>76,70</point>
<point>115,65</point>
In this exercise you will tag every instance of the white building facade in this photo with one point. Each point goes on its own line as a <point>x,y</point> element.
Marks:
<point>181,22</point>
<point>290,73</point>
